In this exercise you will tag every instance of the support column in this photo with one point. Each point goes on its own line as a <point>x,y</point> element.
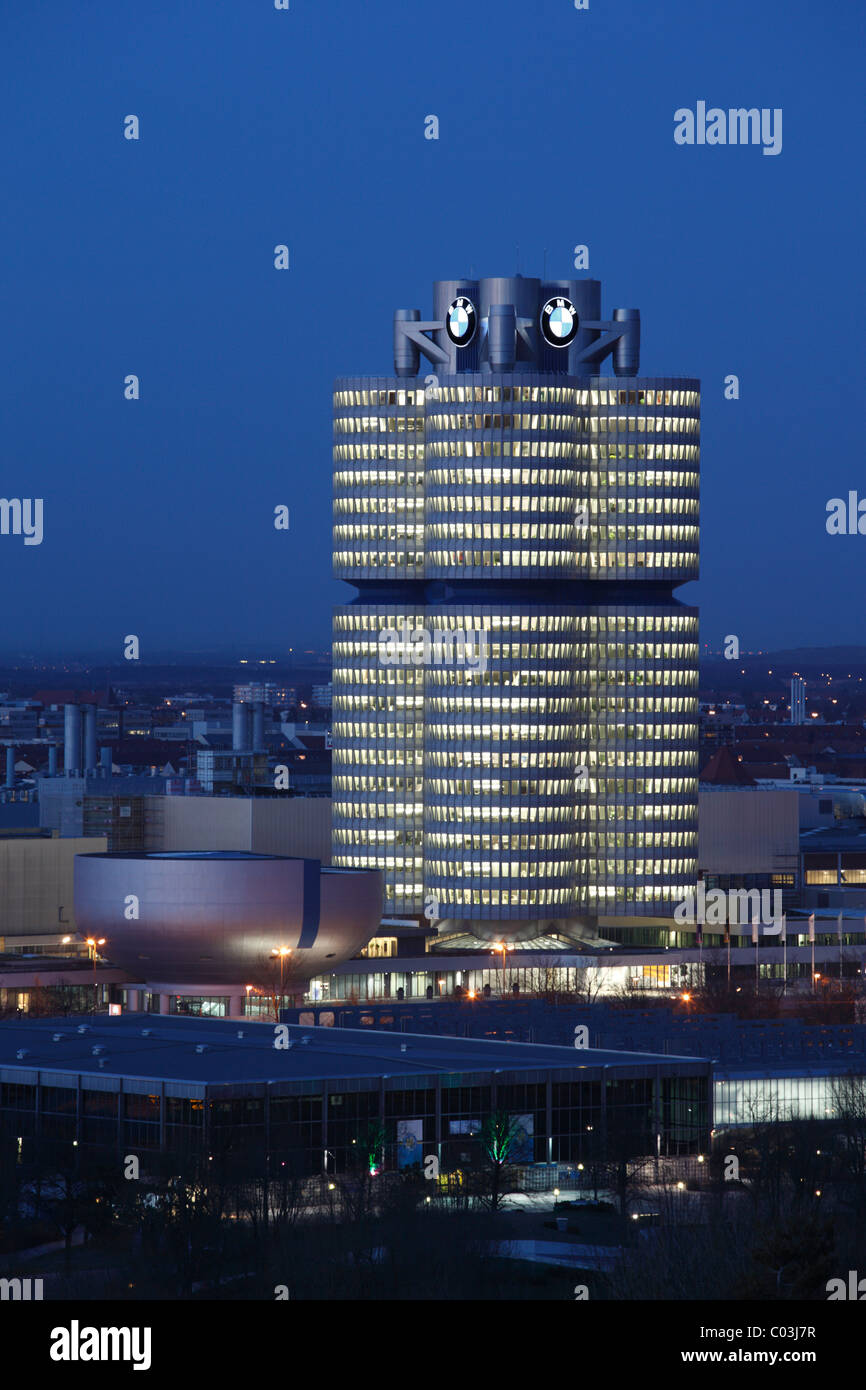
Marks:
<point>438,1119</point>
<point>548,1117</point>
<point>163,1003</point>
<point>236,1006</point>
<point>658,1117</point>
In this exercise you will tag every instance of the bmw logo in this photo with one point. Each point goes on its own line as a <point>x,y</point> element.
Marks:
<point>559,322</point>
<point>460,320</point>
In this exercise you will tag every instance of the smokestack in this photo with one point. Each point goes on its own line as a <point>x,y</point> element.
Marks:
<point>52,760</point>
<point>71,740</point>
<point>89,738</point>
<point>241,727</point>
<point>10,767</point>
<point>105,761</point>
<point>258,727</point>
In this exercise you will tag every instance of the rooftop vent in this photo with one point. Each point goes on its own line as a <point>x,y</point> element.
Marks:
<point>55,1037</point>
<point>404,1047</point>
<point>21,1053</point>
<point>240,1032</point>
<point>147,1032</point>
<point>306,1039</point>
<point>97,1051</point>
<point>102,1061</point>
<point>201,1047</point>
<point>83,1028</point>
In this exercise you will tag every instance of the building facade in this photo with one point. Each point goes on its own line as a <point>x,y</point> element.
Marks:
<point>515,683</point>
<point>316,1103</point>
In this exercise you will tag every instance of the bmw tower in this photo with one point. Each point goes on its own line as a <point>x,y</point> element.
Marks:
<point>537,784</point>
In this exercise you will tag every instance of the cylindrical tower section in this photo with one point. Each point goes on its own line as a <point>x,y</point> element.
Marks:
<point>502,337</point>
<point>407,355</point>
<point>456,305</point>
<point>639,479</point>
<point>241,727</point>
<point>636,730</point>
<point>89,738</point>
<point>500,492</point>
<point>72,740</point>
<point>258,740</point>
<point>378,746</point>
<point>562,354</point>
<point>499,769</point>
<point>378,478</point>
<point>626,352</point>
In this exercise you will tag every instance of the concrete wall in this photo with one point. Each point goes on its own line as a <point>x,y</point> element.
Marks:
<point>261,825</point>
<point>747,830</point>
<point>36,878</point>
<point>61,804</point>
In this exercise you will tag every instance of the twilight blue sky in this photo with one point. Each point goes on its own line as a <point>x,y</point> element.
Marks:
<point>306,127</point>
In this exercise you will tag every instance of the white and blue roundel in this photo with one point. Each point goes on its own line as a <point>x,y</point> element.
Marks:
<point>460,320</point>
<point>559,322</point>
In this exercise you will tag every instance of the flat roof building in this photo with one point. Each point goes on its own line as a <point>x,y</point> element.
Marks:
<point>201,1084</point>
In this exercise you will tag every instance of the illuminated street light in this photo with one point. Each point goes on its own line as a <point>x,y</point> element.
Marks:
<point>92,943</point>
<point>280,952</point>
<point>503,947</point>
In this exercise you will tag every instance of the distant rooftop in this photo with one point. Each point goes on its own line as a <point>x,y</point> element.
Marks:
<point>165,1048</point>
<point>830,837</point>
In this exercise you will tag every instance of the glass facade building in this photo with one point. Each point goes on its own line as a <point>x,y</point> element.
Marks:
<point>524,758</point>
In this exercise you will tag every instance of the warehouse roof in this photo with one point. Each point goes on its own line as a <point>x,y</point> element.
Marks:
<point>216,1052</point>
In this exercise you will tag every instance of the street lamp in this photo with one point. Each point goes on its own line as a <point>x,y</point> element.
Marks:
<point>503,947</point>
<point>92,943</point>
<point>280,952</point>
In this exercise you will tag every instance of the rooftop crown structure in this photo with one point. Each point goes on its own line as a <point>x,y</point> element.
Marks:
<point>515,684</point>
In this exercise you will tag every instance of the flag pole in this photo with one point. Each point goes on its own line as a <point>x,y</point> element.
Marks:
<point>728,941</point>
